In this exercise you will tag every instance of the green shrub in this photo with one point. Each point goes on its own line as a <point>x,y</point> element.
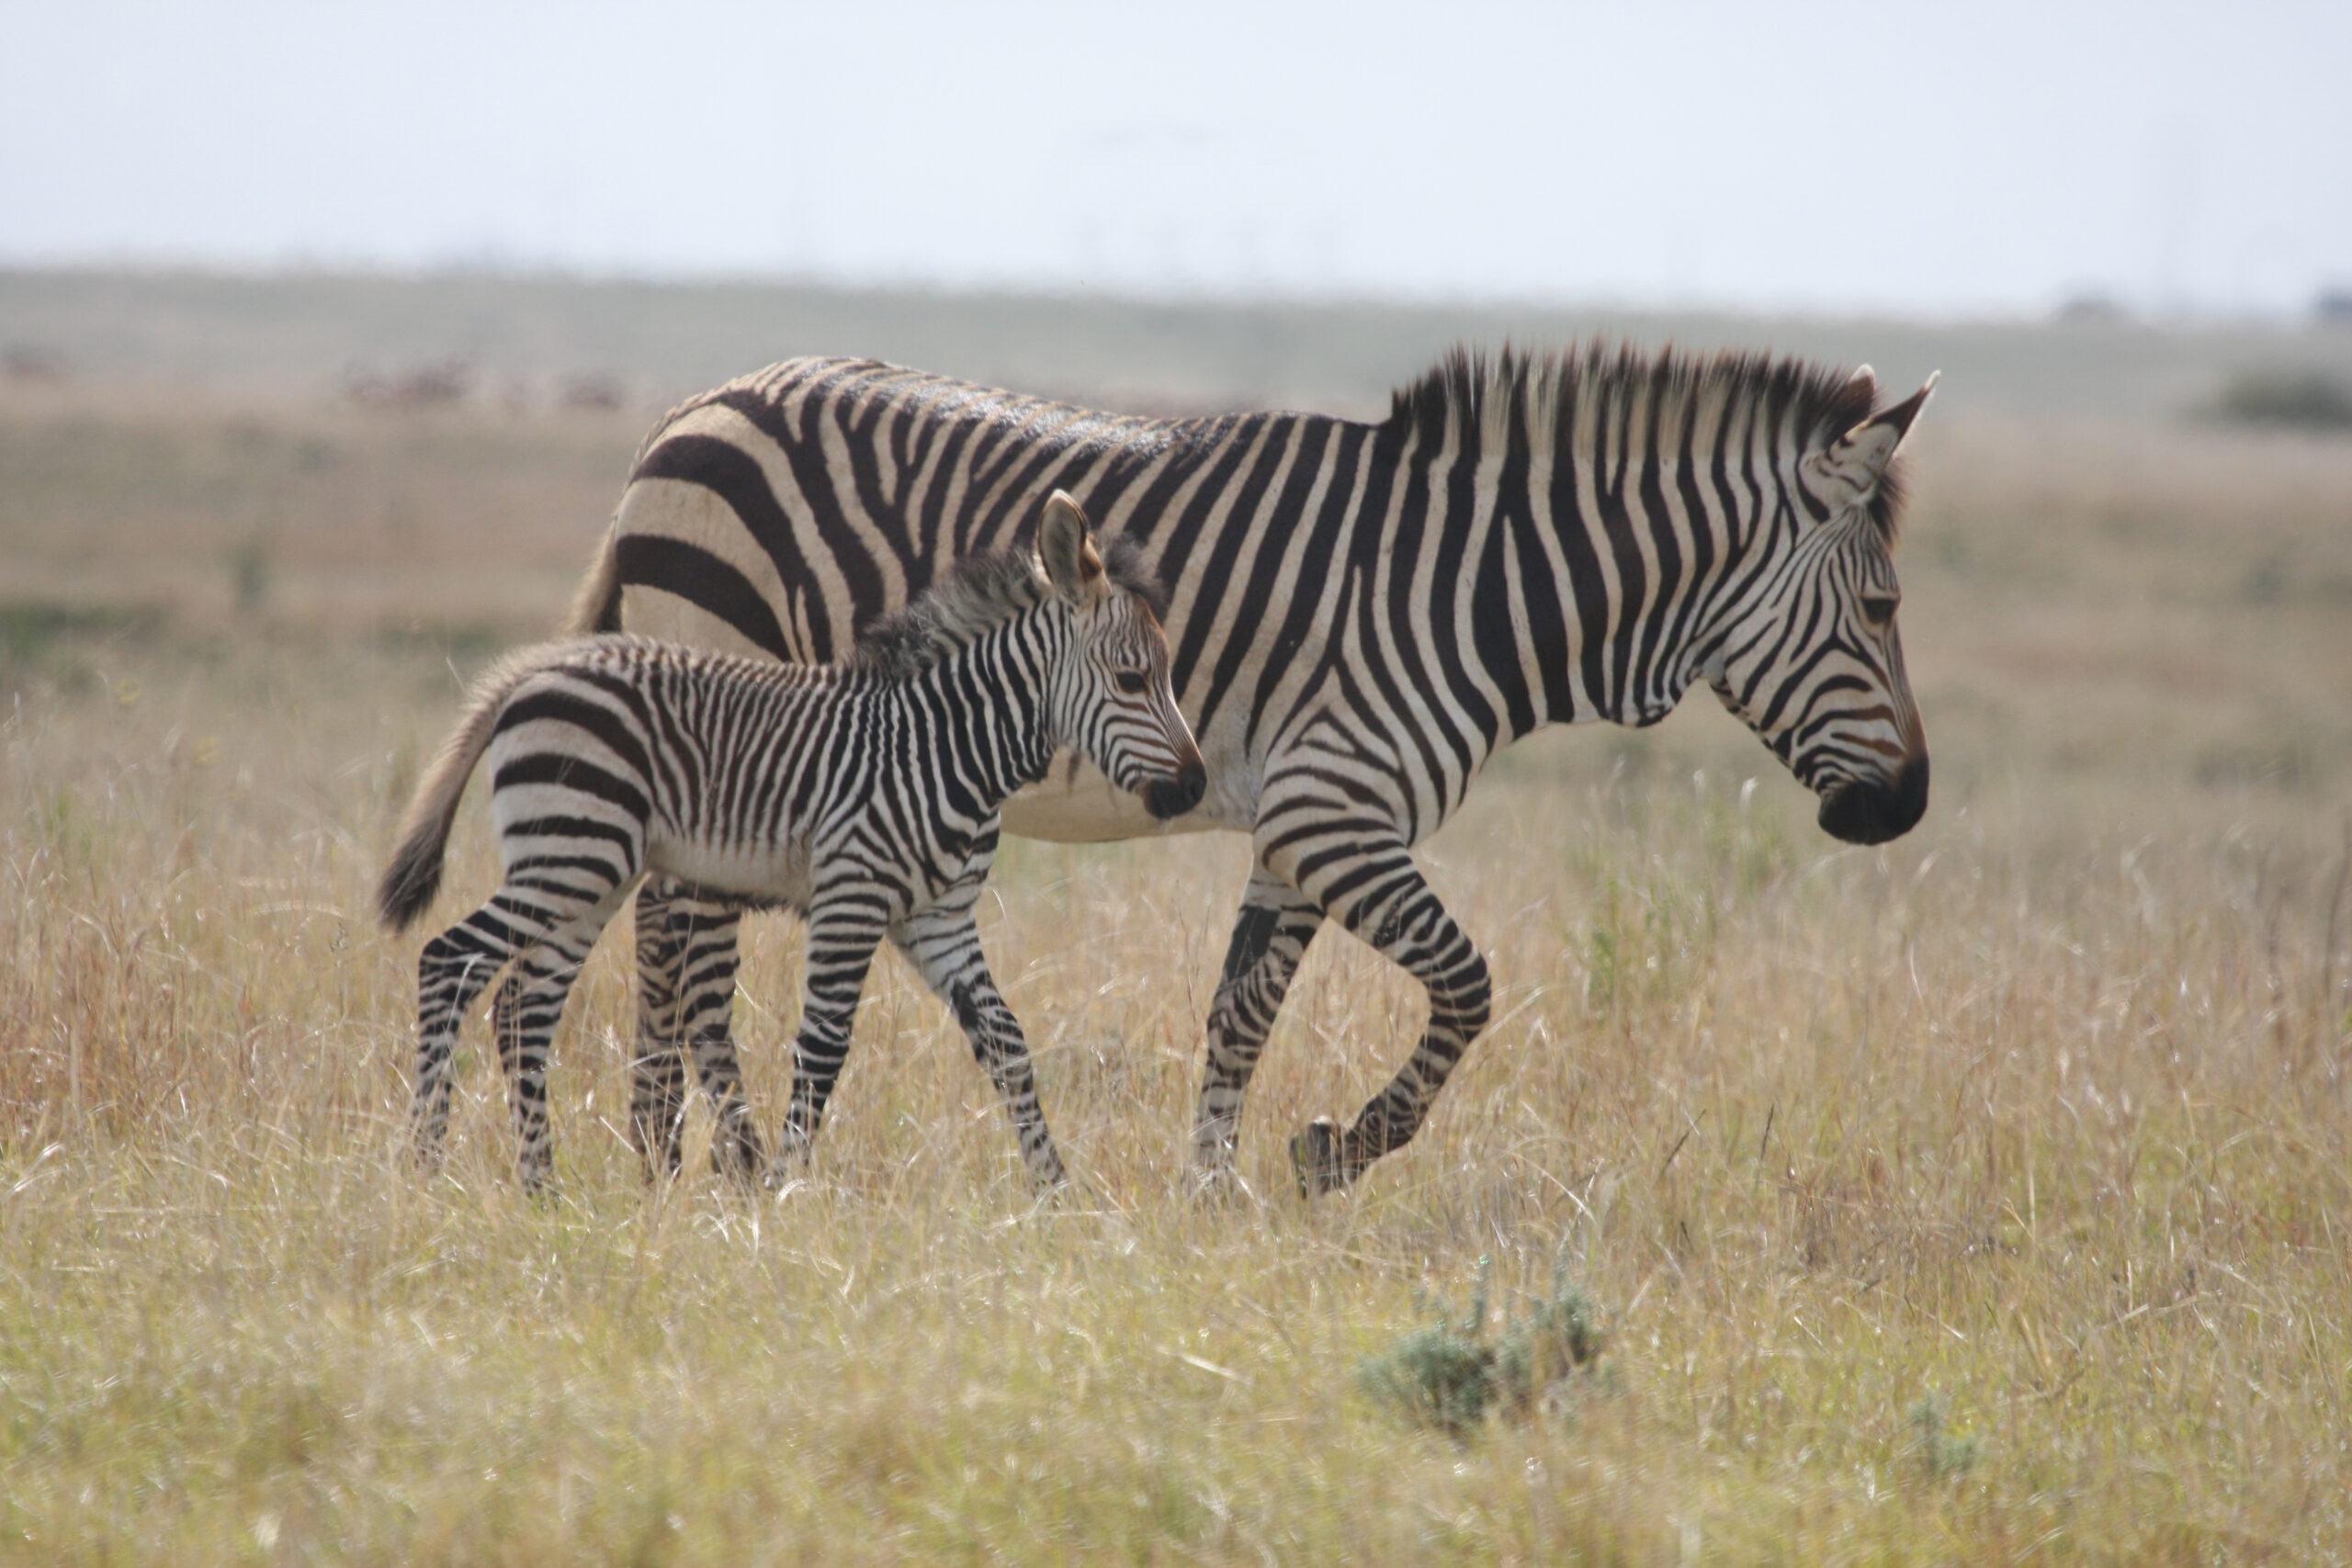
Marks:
<point>1947,1455</point>
<point>2308,398</point>
<point>1452,1373</point>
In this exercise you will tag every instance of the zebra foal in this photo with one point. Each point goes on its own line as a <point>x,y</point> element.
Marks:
<point>864,794</point>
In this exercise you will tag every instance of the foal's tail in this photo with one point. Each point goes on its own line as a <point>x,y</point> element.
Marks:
<point>414,874</point>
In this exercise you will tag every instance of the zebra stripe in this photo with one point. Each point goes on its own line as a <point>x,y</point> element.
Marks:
<point>1360,616</point>
<point>865,796</point>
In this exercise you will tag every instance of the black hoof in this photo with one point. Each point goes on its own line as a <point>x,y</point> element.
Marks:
<point>743,1170</point>
<point>1219,1186</point>
<point>1314,1158</point>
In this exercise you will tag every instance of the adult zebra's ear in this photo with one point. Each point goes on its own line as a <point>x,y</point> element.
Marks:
<point>1846,473</point>
<point>1065,544</point>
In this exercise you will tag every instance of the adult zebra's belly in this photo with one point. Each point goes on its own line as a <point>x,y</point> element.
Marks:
<point>1079,806</point>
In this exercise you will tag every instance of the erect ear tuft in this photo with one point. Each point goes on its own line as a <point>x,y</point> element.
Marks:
<point>1065,544</point>
<point>1901,415</point>
<point>1866,381</point>
<point>1849,469</point>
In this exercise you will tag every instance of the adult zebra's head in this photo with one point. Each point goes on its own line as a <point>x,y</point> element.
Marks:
<point>1810,657</point>
<point>1114,704</point>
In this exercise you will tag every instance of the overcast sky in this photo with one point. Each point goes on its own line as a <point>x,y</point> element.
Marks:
<point>1967,158</point>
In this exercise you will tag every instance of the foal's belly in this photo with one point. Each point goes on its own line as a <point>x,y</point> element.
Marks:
<point>778,876</point>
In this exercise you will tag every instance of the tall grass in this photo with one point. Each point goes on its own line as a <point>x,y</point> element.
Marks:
<point>1976,1199</point>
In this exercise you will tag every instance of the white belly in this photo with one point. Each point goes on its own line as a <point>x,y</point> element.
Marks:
<point>780,874</point>
<point>1081,806</point>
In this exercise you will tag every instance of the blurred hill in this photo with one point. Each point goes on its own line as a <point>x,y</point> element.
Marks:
<point>646,343</point>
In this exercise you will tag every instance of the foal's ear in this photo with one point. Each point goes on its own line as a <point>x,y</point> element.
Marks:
<point>1067,546</point>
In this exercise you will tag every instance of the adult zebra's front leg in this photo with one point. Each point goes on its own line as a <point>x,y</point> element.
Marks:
<point>687,956</point>
<point>846,923</point>
<point>1353,865</point>
<point>1269,937</point>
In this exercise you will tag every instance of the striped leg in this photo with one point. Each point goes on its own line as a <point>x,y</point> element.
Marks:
<point>1357,868</point>
<point>523,1018</point>
<point>845,925</point>
<point>687,961</point>
<point>1269,937</point>
<point>451,972</point>
<point>945,948</point>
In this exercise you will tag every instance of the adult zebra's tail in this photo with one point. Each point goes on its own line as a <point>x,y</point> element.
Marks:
<point>597,605</point>
<point>414,874</point>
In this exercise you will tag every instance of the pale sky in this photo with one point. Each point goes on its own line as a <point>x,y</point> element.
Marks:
<point>1984,157</point>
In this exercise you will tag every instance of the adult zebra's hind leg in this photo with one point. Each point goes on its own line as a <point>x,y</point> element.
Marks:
<point>1269,937</point>
<point>945,948</point>
<point>1363,876</point>
<point>687,961</point>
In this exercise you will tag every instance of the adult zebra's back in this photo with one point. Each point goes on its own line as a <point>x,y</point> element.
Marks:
<point>1360,616</point>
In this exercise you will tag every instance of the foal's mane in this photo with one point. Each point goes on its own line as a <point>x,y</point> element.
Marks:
<point>971,599</point>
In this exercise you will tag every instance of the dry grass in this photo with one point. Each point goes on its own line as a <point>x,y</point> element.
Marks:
<point>1973,1200</point>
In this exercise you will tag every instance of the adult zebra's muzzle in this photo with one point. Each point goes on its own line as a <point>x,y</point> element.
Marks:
<point>1174,797</point>
<point>1870,811</point>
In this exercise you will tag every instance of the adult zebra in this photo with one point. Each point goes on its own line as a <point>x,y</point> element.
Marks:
<point>1361,615</point>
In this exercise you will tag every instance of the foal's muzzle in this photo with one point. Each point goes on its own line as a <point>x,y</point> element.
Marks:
<point>1174,797</point>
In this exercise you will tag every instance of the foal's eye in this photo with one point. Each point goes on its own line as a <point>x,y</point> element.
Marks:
<point>1878,608</point>
<point>1131,682</point>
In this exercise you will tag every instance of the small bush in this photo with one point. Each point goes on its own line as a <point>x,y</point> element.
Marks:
<point>1450,1374</point>
<point>2307,399</point>
<point>1947,1455</point>
<point>29,628</point>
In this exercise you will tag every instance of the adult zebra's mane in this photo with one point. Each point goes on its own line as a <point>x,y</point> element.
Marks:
<point>1505,399</point>
<point>971,599</point>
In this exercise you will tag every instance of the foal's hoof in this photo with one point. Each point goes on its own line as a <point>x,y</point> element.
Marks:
<point>1314,1158</point>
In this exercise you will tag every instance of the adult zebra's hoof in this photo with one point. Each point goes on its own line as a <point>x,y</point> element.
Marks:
<point>737,1158</point>
<point>1219,1187</point>
<point>1315,1156</point>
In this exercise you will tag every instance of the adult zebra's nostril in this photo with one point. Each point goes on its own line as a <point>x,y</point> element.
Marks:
<point>1872,812</point>
<point>1165,798</point>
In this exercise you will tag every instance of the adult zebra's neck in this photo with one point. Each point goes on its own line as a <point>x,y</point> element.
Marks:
<point>1590,516</point>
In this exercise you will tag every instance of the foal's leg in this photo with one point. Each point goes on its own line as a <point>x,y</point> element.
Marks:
<point>450,974</point>
<point>945,948</point>
<point>458,963</point>
<point>529,1006</point>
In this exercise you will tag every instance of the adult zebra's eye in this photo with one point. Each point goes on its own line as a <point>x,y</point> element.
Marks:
<point>1878,608</point>
<point>1131,682</point>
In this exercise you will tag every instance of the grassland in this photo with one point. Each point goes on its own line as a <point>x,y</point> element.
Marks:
<point>1972,1200</point>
